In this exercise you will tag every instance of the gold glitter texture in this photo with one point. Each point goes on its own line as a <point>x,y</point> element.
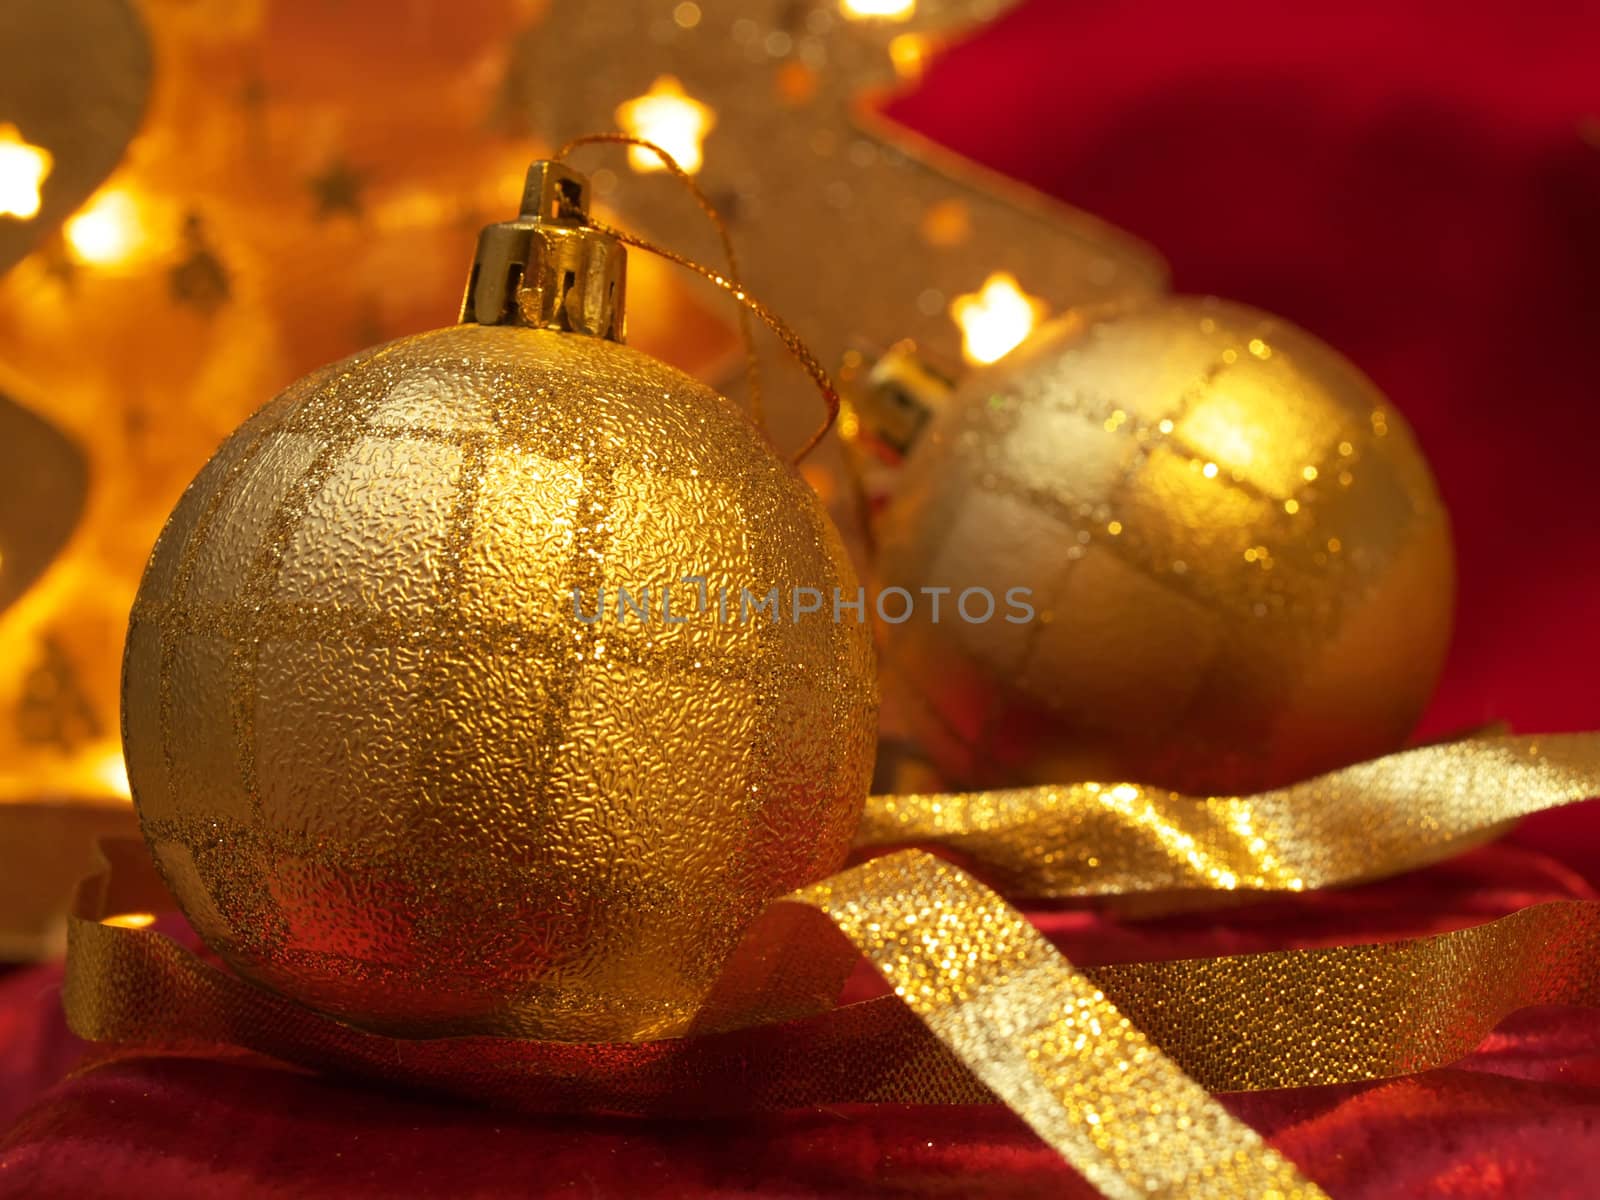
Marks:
<point>386,770</point>
<point>1240,565</point>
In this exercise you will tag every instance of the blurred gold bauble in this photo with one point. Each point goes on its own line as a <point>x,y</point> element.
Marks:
<point>1241,567</point>
<point>386,769</point>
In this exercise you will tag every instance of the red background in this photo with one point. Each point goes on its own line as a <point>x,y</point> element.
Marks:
<point>1418,184</point>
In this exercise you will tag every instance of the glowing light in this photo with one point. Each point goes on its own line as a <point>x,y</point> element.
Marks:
<point>110,770</point>
<point>131,920</point>
<point>909,52</point>
<point>672,119</point>
<point>23,169</point>
<point>107,231</point>
<point>995,319</point>
<point>947,223</point>
<point>881,10</point>
<point>796,82</point>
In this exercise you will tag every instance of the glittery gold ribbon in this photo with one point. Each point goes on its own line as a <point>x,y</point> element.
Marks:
<point>1044,1038</point>
<point>1109,1064</point>
<point>1235,1023</point>
<point>1004,1004</point>
<point>1378,818</point>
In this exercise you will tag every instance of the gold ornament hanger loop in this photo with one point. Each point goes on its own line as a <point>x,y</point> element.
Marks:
<point>730,283</point>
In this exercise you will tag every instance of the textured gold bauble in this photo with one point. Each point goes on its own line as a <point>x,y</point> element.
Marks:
<point>1240,565</point>
<point>386,768</point>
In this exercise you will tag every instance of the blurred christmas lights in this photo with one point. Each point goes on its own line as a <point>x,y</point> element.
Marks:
<point>23,170</point>
<point>996,318</point>
<point>672,119</point>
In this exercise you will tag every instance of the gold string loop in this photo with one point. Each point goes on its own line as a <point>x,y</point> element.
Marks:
<point>730,283</point>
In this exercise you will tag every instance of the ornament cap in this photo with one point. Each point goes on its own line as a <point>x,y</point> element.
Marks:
<point>892,395</point>
<point>550,268</point>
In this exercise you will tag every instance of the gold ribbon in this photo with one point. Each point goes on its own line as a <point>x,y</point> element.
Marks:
<point>1288,1018</point>
<point>1374,819</point>
<point>1108,1064</point>
<point>1044,1038</point>
<point>1001,1001</point>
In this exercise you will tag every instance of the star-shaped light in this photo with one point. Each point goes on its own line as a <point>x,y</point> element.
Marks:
<point>23,169</point>
<point>996,318</point>
<point>882,10</point>
<point>669,117</point>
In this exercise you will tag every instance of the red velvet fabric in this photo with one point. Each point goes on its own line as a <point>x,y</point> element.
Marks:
<point>1420,185</point>
<point>1515,1119</point>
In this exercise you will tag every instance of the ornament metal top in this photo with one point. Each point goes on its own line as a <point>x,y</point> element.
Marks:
<point>549,269</point>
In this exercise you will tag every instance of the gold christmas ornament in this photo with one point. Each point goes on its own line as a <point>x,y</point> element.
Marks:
<point>440,708</point>
<point>1240,566</point>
